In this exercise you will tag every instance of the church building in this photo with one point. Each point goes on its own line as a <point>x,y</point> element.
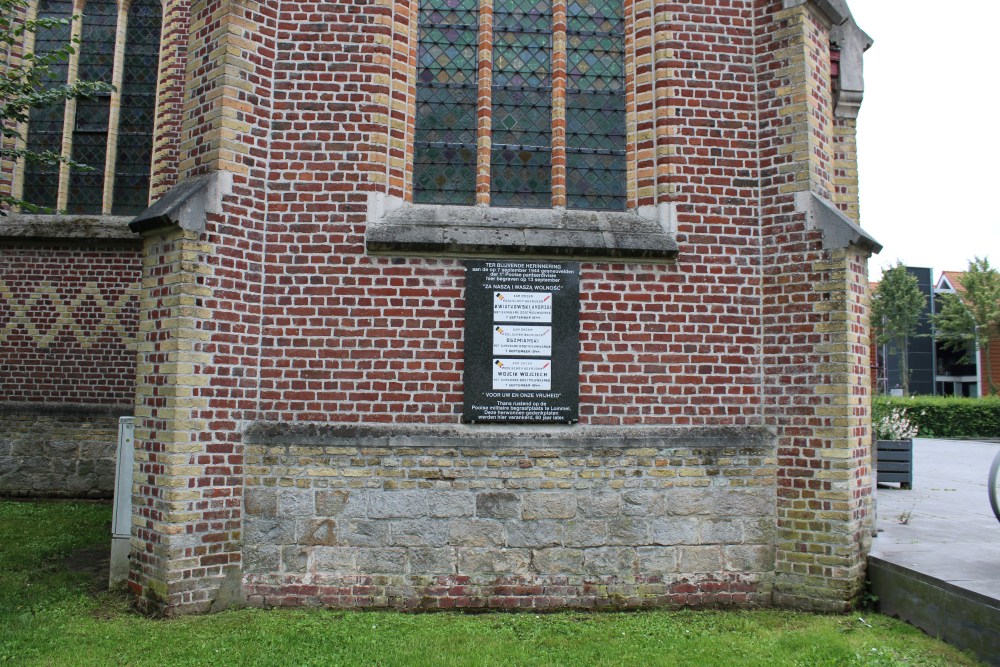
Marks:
<point>471,304</point>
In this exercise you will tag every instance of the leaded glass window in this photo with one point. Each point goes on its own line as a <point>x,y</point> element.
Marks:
<point>521,163</point>
<point>447,88</point>
<point>522,101</point>
<point>119,180</point>
<point>45,126</point>
<point>90,132</point>
<point>138,109</point>
<point>595,105</point>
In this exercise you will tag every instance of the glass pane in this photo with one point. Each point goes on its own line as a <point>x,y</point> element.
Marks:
<point>521,177</point>
<point>45,126</point>
<point>595,105</point>
<point>444,174</point>
<point>444,165</point>
<point>135,123</point>
<point>90,133</point>
<point>521,159</point>
<point>595,180</point>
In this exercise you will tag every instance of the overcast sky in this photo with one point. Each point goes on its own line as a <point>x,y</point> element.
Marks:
<point>929,144</point>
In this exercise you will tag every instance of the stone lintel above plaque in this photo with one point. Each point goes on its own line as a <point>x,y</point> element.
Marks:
<point>483,231</point>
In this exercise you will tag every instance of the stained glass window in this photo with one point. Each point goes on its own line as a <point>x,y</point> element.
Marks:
<point>90,132</point>
<point>595,105</point>
<point>135,124</point>
<point>521,100</point>
<point>45,126</point>
<point>92,120</point>
<point>521,161</point>
<point>444,162</point>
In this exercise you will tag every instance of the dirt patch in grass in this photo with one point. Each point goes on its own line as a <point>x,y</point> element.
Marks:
<point>94,562</point>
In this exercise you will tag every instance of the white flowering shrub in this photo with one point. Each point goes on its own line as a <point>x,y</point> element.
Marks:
<point>895,425</point>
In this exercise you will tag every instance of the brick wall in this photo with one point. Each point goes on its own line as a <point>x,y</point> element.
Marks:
<point>269,316</point>
<point>68,319</point>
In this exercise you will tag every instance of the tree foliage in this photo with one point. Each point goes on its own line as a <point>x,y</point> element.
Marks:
<point>897,305</point>
<point>27,82</point>
<point>972,315</point>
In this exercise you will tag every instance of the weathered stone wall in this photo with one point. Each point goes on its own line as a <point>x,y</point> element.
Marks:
<point>535,518</point>
<point>57,451</point>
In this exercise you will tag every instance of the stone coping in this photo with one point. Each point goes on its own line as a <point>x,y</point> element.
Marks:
<point>68,409</point>
<point>99,227</point>
<point>503,436</point>
<point>470,231</point>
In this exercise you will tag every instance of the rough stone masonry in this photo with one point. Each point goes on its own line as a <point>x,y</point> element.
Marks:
<point>300,371</point>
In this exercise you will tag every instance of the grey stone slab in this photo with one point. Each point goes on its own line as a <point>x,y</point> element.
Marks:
<point>419,533</point>
<point>549,506</point>
<point>268,531</point>
<point>657,560</point>
<point>943,526</point>
<point>446,504</point>
<point>618,561</point>
<point>722,531</point>
<point>364,533</point>
<point>675,530</point>
<point>749,557</point>
<point>533,534</point>
<point>645,503</point>
<point>338,560</point>
<point>431,561</point>
<point>294,559</point>
<point>261,559</point>
<point>600,504</point>
<point>476,533</point>
<point>628,531</point>
<point>396,504</point>
<point>296,503</point>
<point>494,561</point>
<point>331,503</point>
<point>498,505</point>
<point>381,561</point>
<point>557,560</point>
<point>584,533</point>
<point>700,559</point>
<point>317,532</point>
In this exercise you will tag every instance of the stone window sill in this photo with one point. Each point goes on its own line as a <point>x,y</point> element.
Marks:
<point>482,231</point>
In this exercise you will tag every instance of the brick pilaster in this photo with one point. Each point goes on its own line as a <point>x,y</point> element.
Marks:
<point>817,390</point>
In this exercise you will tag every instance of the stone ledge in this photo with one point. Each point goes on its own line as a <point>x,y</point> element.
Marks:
<point>55,227</point>
<point>836,11</point>
<point>65,409</point>
<point>503,435</point>
<point>463,231</point>
<point>838,230</point>
<point>187,203</point>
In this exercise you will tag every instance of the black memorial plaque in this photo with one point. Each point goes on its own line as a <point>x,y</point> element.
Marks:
<point>522,340</point>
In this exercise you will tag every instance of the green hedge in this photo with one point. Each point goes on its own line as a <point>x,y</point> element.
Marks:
<point>940,417</point>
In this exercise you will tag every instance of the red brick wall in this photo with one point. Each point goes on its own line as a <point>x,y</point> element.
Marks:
<point>68,317</point>
<point>279,315</point>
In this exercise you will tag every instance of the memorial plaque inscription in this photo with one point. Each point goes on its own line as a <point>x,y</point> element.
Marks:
<point>522,332</point>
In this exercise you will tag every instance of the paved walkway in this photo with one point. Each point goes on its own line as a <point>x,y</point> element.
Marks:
<point>943,527</point>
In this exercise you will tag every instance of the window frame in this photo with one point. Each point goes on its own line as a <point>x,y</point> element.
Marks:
<point>69,120</point>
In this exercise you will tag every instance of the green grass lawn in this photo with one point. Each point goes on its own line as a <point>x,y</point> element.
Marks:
<point>53,615</point>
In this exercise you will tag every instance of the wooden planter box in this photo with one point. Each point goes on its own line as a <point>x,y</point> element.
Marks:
<point>894,462</point>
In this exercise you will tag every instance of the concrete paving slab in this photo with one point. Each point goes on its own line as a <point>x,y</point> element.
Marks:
<point>943,526</point>
<point>936,559</point>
